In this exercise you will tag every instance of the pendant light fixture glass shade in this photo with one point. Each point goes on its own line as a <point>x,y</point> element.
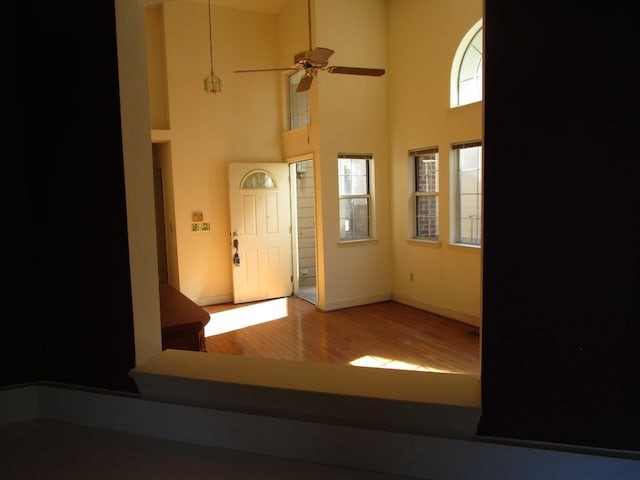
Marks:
<point>212,84</point>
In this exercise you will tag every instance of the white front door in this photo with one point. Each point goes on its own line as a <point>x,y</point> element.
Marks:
<point>260,231</point>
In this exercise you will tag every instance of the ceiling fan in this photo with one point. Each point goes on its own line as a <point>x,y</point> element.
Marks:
<point>314,60</point>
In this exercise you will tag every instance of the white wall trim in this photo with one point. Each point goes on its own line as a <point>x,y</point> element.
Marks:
<point>353,302</point>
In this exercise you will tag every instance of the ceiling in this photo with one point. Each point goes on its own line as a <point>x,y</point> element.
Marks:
<point>263,6</point>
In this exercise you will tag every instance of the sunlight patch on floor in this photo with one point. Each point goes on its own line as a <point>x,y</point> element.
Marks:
<point>242,317</point>
<point>373,361</point>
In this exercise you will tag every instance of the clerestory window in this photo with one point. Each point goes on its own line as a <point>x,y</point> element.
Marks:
<point>298,102</point>
<point>466,72</point>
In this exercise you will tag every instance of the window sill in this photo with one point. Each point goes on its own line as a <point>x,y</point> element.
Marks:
<point>426,243</point>
<point>465,246</point>
<point>351,243</point>
<point>467,105</point>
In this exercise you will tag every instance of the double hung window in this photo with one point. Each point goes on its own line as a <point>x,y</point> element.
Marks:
<point>426,194</point>
<point>354,189</point>
<point>467,169</point>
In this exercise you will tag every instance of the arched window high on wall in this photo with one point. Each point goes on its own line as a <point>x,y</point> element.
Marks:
<point>466,71</point>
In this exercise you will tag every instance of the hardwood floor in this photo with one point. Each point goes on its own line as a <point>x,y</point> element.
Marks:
<point>380,335</point>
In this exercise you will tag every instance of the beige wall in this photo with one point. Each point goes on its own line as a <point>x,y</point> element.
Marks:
<point>351,116</point>
<point>207,132</point>
<point>407,108</point>
<point>424,37</point>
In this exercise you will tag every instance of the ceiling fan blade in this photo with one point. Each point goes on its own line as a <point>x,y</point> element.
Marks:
<point>320,55</point>
<point>372,72</point>
<point>265,70</point>
<point>305,83</point>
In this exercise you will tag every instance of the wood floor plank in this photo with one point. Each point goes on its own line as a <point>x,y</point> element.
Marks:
<point>380,335</point>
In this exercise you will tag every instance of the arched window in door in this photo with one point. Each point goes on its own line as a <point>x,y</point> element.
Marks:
<point>258,179</point>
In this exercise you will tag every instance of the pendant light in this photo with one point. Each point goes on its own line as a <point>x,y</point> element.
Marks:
<point>212,84</point>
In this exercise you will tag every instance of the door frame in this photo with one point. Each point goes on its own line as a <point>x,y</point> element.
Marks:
<point>293,174</point>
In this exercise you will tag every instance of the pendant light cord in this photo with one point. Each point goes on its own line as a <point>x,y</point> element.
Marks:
<point>210,39</point>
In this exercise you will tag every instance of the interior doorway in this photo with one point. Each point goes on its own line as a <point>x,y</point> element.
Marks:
<point>303,236</point>
<point>164,214</point>
<point>161,239</point>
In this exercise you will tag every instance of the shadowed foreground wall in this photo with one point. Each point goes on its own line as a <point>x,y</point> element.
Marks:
<point>66,269</point>
<point>560,273</point>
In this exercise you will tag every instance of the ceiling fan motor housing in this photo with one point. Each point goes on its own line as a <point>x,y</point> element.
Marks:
<point>317,57</point>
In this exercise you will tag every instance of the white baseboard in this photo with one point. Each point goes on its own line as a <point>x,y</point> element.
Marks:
<point>352,302</point>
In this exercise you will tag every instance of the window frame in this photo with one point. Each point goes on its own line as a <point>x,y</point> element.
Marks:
<point>414,157</point>
<point>368,196</point>
<point>459,61</point>
<point>457,194</point>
